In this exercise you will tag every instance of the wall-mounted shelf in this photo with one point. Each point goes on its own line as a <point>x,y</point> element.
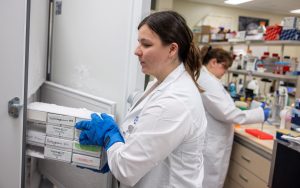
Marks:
<point>277,77</point>
<point>289,78</point>
<point>256,42</point>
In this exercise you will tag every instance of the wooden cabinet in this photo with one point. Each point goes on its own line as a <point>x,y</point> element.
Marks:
<point>247,169</point>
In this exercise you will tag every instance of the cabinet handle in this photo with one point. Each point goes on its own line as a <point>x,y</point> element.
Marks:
<point>243,178</point>
<point>246,158</point>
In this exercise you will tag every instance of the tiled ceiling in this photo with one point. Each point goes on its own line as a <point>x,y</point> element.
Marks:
<point>271,6</point>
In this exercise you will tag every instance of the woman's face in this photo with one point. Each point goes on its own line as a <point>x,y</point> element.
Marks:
<point>152,54</point>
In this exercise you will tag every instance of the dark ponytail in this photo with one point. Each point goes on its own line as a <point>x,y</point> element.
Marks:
<point>171,27</point>
<point>193,63</point>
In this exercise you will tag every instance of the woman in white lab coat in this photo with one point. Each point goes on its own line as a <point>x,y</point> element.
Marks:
<point>164,130</point>
<point>221,116</point>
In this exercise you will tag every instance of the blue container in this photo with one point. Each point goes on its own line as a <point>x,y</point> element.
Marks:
<point>295,117</point>
<point>290,34</point>
<point>297,104</point>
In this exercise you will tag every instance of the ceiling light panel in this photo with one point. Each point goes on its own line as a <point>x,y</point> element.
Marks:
<point>297,11</point>
<point>236,2</point>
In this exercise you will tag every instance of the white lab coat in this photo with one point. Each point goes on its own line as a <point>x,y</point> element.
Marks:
<point>164,136</point>
<point>221,114</point>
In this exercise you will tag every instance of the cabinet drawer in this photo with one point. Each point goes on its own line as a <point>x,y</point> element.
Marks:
<point>230,183</point>
<point>244,178</point>
<point>252,161</point>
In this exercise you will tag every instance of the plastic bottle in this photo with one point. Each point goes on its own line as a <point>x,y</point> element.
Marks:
<point>250,61</point>
<point>232,89</point>
<point>221,34</point>
<point>262,27</point>
<point>239,88</point>
<point>285,117</point>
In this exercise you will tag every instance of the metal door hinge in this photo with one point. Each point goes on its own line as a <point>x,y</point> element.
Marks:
<point>14,107</point>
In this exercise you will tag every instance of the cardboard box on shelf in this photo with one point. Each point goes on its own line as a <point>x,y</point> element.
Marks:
<point>289,22</point>
<point>204,29</point>
<point>201,38</point>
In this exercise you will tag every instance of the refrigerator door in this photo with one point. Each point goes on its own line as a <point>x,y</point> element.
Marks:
<point>13,72</point>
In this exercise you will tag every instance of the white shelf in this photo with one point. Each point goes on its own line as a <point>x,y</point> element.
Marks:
<point>277,77</point>
<point>256,42</point>
<point>289,78</point>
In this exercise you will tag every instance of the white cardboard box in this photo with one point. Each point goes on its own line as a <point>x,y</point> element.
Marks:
<point>35,136</point>
<point>86,161</point>
<point>94,151</point>
<point>58,142</point>
<point>57,154</point>
<point>61,131</point>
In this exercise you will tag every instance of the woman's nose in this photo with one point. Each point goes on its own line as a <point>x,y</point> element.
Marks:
<point>138,51</point>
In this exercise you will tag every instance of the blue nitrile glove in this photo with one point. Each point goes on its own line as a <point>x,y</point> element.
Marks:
<point>92,130</point>
<point>113,135</point>
<point>101,131</point>
<point>266,111</point>
<point>103,170</point>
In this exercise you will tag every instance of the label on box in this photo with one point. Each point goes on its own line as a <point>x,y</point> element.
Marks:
<point>84,160</point>
<point>58,142</point>
<point>57,154</point>
<point>35,136</point>
<point>91,150</point>
<point>60,131</point>
<point>60,119</point>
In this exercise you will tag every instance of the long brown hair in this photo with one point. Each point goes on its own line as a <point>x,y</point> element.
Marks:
<point>171,27</point>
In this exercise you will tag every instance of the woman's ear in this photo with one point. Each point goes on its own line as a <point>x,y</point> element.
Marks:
<point>213,62</point>
<point>173,49</point>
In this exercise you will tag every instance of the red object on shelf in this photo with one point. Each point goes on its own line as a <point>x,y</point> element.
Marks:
<point>259,134</point>
<point>273,32</point>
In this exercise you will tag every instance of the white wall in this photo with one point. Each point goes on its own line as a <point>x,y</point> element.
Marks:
<point>193,12</point>
<point>38,44</point>
<point>164,5</point>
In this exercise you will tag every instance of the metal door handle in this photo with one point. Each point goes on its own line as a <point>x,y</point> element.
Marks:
<point>14,107</point>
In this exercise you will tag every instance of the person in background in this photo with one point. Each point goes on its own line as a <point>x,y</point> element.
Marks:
<point>162,136</point>
<point>221,114</point>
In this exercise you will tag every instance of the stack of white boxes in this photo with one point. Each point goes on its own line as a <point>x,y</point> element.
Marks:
<point>51,135</point>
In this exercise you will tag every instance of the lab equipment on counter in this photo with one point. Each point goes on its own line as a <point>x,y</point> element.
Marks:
<point>295,120</point>
<point>259,134</point>
<point>279,102</point>
<point>232,89</point>
<point>51,135</point>
<point>285,134</point>
<point>285,117</point>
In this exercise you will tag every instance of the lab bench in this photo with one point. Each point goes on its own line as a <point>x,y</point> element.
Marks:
<point>251,158</point>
